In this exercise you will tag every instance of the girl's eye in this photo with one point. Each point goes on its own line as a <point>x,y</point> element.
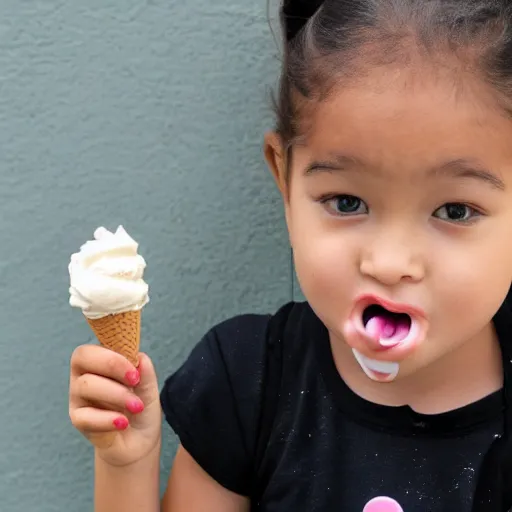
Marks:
<point>346,205</point>
<point>456,212</point>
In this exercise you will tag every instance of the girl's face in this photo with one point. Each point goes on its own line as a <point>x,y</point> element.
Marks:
<point>403,193</point>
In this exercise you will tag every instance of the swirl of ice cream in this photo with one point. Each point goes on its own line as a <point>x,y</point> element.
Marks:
<point>107,275</point>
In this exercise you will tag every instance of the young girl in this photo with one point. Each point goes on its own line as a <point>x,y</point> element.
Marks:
<point>389,389</point>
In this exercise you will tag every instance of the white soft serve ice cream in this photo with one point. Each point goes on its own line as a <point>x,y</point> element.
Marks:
<point>107,275</point>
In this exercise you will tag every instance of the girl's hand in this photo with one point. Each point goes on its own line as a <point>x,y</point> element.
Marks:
<point>115,405</point>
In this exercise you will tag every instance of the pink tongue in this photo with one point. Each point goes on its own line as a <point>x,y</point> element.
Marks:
<point>390,329</point>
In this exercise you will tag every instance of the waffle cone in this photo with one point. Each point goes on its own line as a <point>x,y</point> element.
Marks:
<point>120,333</point>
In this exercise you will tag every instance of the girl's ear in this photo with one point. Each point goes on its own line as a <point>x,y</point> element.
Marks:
<point>275,155</point>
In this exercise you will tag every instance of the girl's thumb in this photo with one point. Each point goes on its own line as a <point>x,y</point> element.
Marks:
<point>147,389</point>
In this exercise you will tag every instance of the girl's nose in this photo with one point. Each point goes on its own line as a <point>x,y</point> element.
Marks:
<point>391,262</point>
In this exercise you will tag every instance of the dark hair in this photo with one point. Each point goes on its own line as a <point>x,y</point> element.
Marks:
<point>331,41</point>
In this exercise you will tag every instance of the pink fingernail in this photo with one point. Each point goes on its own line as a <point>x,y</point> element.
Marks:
<point>135,406</point>
<point>121,423</point>
<point>133,377</point>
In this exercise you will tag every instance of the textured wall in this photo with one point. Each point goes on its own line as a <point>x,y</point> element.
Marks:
<point>148,113</point>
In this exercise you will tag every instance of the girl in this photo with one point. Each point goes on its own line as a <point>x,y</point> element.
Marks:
<point>389,389</point>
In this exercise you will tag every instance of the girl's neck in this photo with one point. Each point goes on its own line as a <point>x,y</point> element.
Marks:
<point>469,373</point>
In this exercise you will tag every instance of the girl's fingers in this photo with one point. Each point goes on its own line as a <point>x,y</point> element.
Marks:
<point>94,389</point>
<point>147,389</point>
<point>92,420</point>
<point>102,361</point>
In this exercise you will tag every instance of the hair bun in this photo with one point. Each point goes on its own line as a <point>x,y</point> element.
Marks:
<point>296,13</point>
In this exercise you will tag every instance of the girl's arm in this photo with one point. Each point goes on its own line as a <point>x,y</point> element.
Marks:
<point>128,488</point>
<point>191,489</point>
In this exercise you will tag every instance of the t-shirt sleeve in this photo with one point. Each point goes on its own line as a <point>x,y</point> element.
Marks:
<point>213,401</point>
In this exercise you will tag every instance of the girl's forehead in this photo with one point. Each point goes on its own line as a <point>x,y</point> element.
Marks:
<point>428,121</point>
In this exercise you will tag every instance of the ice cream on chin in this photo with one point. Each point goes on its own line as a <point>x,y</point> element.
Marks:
<point>107,275</point>
<point>106,283</point>
<point>380,371</point>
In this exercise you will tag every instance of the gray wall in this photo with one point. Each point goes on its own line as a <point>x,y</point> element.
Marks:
<point>148,113</point>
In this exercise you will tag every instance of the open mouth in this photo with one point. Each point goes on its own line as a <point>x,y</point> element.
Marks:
<point>389,327</point>
<point>392,326</point>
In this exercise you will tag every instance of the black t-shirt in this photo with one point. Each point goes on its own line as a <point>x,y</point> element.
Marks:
<point>260,406</point>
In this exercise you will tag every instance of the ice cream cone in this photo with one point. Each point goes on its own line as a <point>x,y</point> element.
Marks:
<point>106,276</point>
<point>120,333</point>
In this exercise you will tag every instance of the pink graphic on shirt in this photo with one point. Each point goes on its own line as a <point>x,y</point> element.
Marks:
<point>382,504</point>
